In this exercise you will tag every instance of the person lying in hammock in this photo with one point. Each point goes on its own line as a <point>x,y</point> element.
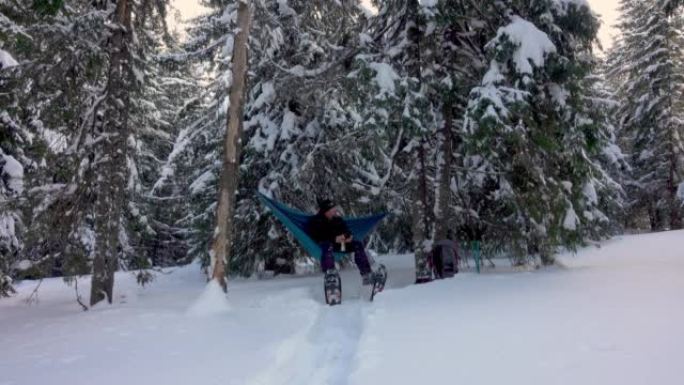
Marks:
<point>330,231</point>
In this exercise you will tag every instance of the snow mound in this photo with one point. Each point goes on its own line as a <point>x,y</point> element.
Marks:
<point>212,301</point>
<point>612,315</point>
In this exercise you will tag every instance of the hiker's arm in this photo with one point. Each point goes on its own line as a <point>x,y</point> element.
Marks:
<point>314,229</point>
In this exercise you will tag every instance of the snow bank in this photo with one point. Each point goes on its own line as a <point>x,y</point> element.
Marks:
<point>212,301</point>
<point>146,336</point>
<point>612,315</point>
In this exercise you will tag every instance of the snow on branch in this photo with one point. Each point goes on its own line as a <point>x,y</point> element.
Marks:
<point>6,60</point>
<point>532,43</point>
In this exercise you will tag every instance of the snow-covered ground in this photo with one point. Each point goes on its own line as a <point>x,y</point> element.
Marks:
<point>613,315</point>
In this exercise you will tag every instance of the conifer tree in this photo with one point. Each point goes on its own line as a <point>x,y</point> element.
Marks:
<point>80,97</point>
<point>23,134</point>
<point>527,132</point>
<point>648,74</point>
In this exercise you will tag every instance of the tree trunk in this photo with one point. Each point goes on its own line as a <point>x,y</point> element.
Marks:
<point>421,226</point>
<point>228,183</point>
<point>420,220</point>
<point>443,188</point>
<point>674,206</point>
<point>110,161</point>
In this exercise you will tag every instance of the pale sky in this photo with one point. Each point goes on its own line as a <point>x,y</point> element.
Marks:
<point>606,8</point>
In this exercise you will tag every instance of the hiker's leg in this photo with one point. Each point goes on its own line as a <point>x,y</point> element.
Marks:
<point>328,258</point>
<point>360,257</point>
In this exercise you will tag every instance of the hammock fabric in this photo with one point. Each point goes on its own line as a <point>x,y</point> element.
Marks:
<point>296,221</point>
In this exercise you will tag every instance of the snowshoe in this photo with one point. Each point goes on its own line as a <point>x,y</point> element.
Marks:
<point>333,288</point>
<point>378,277</point>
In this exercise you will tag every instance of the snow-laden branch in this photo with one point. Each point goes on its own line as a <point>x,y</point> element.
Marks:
<point>6,60</point>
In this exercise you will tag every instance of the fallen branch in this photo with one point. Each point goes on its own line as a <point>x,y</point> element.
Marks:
<point>33,298</point>
<point>78,296</point>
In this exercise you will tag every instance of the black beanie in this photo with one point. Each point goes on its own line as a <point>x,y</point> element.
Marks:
<point>325,205</point>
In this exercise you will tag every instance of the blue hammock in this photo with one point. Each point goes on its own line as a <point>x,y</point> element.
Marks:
<point>296,221</point>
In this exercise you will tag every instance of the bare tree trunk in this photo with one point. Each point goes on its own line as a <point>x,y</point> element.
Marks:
<point>228,183</point>
<point>110,160</point>
<point>443,190</point>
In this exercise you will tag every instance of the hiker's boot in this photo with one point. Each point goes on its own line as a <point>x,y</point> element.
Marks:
<point>366,279</point>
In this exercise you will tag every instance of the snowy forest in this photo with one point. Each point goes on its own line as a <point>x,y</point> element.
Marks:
<point>502,122</point>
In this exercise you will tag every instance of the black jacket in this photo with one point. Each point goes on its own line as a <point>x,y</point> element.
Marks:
<point>322,229</point>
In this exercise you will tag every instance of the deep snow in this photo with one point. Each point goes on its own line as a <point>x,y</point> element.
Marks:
<point>611,316</point>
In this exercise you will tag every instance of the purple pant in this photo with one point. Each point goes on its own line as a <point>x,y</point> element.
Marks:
<point>360,257</point>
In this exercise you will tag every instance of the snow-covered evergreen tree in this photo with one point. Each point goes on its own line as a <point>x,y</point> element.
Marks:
<point>649,75</point>
<point>11,176</point>
<point>175,98</point>
<point>530,140</point>
<point>11,188</point>
<point>613,168</point>
<point>391,90</point>
<point>154,239</point>
<point>83,88</point>
<point>197,146</point>
<point>489,118</point>
<point>23,137</point>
